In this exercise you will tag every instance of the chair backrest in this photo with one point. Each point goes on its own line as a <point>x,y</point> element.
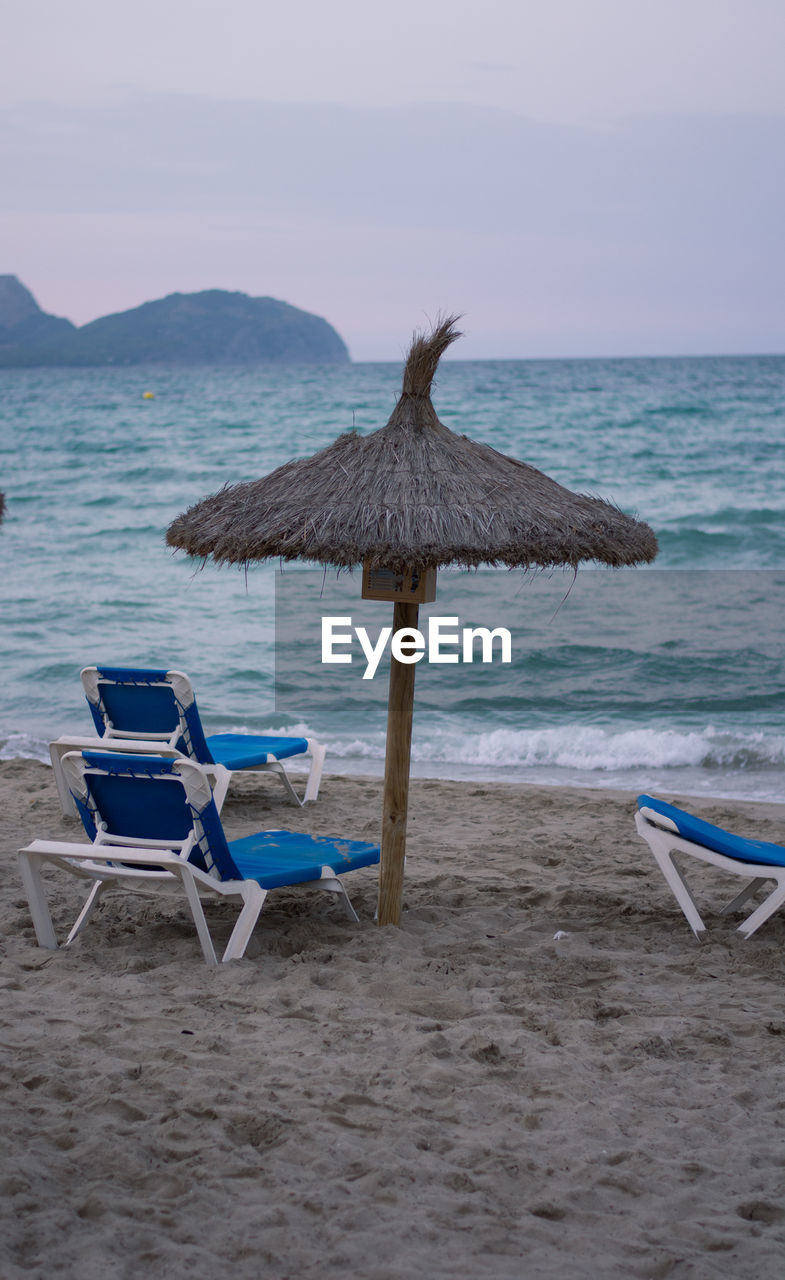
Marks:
<point>136,797</point>
<point>147,703</point>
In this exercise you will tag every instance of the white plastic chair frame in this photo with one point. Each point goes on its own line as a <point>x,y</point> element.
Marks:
<point>98,862</point>
<point>664,840</point>
<point>218,775</point>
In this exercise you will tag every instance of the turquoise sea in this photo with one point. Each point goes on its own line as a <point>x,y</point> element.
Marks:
<point>669,678</point>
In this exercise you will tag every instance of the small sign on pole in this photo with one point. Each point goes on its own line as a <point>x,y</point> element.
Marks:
<point>411,587</point>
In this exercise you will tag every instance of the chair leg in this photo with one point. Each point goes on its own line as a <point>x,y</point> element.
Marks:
<point>766,909</point>
<point>318,752</point>
<point>30,869</point>
<point>744,896</point>
<point>253,901</point>
<point>285,781</point>
<point>679,887</point>
<point>87,910</point>
<point>334,885</point>
<point>198,914</point>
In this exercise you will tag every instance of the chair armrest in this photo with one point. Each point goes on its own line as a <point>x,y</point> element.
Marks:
<point>102,853</point>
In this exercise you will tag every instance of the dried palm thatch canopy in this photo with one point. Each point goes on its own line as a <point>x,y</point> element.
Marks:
<point>411,496</point>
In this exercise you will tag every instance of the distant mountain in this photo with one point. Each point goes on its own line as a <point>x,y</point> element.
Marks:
<point>22,322</point>
<point>213,327</point>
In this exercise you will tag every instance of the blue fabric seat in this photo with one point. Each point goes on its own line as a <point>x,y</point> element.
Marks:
<point>278,858</point>
<point>152,819</point>
<point>242,751</point>
<point>669,830</point>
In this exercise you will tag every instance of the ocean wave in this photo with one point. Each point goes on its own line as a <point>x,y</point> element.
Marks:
<point>571,747</point>
<point>24,746</point>
<point>585,748</point>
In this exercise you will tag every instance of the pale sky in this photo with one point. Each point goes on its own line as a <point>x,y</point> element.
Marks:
<point>577,177</point>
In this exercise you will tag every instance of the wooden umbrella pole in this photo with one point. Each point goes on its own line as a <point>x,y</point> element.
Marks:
<point>400,709</point>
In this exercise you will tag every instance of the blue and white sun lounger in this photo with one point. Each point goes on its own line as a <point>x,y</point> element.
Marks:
<point>155,711</point>
<point>153,824</point>
<point>668,831</point>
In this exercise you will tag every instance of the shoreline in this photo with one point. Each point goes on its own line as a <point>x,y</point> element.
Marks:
<point>466,1096</point>
<point>372,769</point>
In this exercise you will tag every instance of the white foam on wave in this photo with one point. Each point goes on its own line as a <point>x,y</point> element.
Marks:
<point>712,761</point>
<point>371,747</point>
<point>24,746</point>
<point>746,766</point>
<point>583,747</point>
<point>595,748</point>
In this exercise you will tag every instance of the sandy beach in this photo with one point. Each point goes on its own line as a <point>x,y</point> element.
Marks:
<point>467,1096</point>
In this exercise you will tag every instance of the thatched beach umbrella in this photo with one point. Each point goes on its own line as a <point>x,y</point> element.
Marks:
<point>403,501</point>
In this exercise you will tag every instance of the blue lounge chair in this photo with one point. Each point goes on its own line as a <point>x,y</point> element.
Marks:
<point>668,831</point>
<point>139,709</point>
<point>153,822</point>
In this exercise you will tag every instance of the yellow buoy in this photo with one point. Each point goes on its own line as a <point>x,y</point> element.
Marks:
<point>148,395</point>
